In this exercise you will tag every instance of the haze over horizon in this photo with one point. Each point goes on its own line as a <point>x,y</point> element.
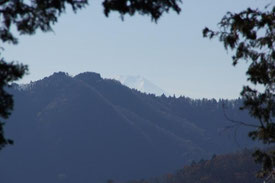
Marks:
<point>88,41</point>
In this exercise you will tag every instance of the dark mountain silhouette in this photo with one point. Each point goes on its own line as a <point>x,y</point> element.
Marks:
<point>86,129</point>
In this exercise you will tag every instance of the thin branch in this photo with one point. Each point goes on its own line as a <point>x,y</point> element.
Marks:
<point>262,124</point>
<point>237,121</point>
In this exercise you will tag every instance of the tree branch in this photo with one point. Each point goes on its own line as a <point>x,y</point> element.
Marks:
<point>237,121</point>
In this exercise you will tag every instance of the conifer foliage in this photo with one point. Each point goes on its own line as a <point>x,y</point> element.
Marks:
<point>250,34</point>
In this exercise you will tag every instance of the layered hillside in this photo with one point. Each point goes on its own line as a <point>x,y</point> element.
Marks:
<point>234,167</point>
<point>89,129</point>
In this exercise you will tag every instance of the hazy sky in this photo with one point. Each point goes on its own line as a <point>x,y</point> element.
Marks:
<point>172,53</point>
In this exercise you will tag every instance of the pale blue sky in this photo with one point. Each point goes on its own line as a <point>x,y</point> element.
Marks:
<point>172,53</point>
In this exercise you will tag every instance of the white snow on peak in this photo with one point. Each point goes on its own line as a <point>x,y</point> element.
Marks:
<point>141,84</point>
<point>25,87</point>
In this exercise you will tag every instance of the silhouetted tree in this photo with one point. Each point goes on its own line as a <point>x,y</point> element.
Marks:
<point>8,72</point>
<point>28,17</point>
<point>250,34</point>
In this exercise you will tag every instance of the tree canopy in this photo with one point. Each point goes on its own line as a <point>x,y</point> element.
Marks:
<point>153,8</point>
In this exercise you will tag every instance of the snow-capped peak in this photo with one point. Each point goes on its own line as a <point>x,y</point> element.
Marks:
<point>141,84</point>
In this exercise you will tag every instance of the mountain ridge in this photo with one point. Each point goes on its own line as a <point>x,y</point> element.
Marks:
<point>94,129</point>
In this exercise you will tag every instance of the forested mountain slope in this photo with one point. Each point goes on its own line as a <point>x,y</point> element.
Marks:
<point>89,129</point>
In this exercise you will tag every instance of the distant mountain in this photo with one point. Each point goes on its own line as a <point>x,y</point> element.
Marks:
<point>88,129</point>
<point>141,84</point>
